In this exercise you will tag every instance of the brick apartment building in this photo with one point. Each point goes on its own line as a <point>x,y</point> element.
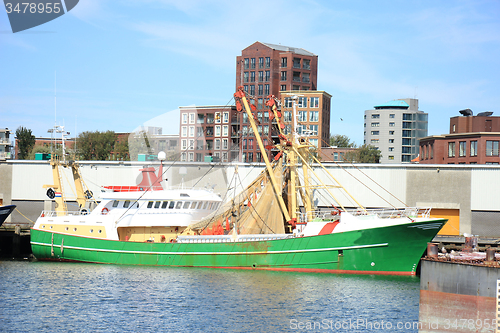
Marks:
<point>472,140</point>
<point>313,114</point>
<point>209,133</point>
<point>265,69</point>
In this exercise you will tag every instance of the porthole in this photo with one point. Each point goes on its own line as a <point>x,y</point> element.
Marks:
<point>67,228</point>
<point>50,227</point>
<point>43,227</point>
<point>74,229</point>
<point>100,230</point>
<point>91,230</point>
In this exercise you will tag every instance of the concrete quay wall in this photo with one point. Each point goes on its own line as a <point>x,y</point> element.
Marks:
<point>471,192</point>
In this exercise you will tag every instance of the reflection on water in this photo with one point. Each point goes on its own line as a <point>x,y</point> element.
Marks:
<point>61,297</point>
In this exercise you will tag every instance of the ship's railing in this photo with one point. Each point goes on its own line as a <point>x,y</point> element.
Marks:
<point>52,213</point>
<point>384,213</point>
<point>231,238</point>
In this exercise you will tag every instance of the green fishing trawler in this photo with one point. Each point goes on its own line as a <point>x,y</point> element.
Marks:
<point>272,224</point>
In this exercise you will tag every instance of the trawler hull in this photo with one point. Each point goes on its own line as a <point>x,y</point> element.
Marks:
<point>390,250</point>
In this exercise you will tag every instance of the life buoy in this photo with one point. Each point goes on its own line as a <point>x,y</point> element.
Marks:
<point>51,193</point>
<point>104,211</point>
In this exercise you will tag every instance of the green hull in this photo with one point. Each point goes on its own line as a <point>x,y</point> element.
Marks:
<point>392,250</point>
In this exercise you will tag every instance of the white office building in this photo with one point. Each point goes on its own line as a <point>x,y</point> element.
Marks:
<point>395,128</point>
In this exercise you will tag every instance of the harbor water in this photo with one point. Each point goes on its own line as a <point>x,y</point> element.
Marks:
<point>80,297</point>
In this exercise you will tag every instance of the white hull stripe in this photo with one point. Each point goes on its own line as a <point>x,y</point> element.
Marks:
<point>66,247</point>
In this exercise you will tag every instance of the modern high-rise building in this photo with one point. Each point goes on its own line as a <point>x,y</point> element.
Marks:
<point>265,69</point>
<point>395,129</point>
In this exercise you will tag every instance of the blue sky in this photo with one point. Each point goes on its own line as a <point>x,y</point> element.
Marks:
<point>120,64</point>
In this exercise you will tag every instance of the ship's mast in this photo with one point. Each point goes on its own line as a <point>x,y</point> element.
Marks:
<point>240,94</point>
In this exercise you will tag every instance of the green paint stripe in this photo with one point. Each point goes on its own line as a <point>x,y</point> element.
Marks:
<point>216,253</point>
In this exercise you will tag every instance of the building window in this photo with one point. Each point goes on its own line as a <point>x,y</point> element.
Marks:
<point>375,124</point>
<point>246,62</point>
<point>268,76</point>
<point>451,149</point>
<point>302,116</point>
<point>191,118</point>
<point>261,76</point>
<point>245,77</point>
<point>217,144</point>
<point>313,129</point>
<point>391,132</point>
<point>391,157</point>
<point>184,131</point>
<point>374,140</point>
<point>266,89</point>
<point>306,64</point>
<point>191,131</point>
<point>217,130</point>
<point>314,116</point>
<point>244,144</point>
<point>199,144</point>
<point>406,124</point>
<point>261,62</point>
<point>225,117</point>
<point>191,144</point>
<point>260,103</point>
<point>314,102</point>
<point>224,143</point>
<point>283,75</point>
<point>283,62</point>
<point>199,132</point>
<point>184,118</point>
<point>225,130</point>
<point>261,89</point>
<point>491,148</point>
<point>473,148</point>
<point>183,157</point>
<point>252,63</point>
<point>268,62</point>
<point>184,144</point>
<point>198,157</point>
<point>296,62</point>
<point>287,116</point>
<point>217,117</point>
<point>302,102</point>
<point>201,118</point>
<point>391,140</point>
<point>392,124</point>
<point>252,76</point>
<point>191,157</point>
<point>461,149</point>
<point>375,116</point>
<point>407,116</point>
<point>407,133</point>
<point>375,132</point>
<point>283,87</point>
<point>392,115</point>
<point>406,142</point>
<point>391,148</point>
<point>252,90</point>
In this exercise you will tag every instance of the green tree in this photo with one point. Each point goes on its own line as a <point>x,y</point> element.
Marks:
<point>96,146</point>
<point>341,141</point>
<point>25,142</point>
<point>368,154</point>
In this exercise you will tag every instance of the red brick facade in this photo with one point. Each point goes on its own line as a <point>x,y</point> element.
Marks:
<point>472,140</point>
